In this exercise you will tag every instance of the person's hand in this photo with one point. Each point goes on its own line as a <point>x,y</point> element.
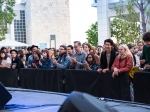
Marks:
<point>40,63</point>
<point>147,67</point>
<point>141,69</point>
<point>73,60</point>
<point>33,64</point>
<point>14,66</point>
<point>142,61</point>
<point>105,70</point>
<point>54,62</point>
<point>139,53</point>
<point>86,65</point>
<point>99,70</point>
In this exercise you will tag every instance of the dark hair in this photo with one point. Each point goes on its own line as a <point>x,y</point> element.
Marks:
<point>89,46</point>
<point>55,51</point>
<point>78,42</point>
<point>2,49</point>
<point>20,52</point>
<point>65,48</point>
<point>140,42</point>
<point>130,46</point>
<point>4,57</point>
<point>93,58</point>
<point>29,48</point>
<point>115,47</point>
<point>70,46</point>
<point>109,41</point>
<point>146,36</point>
<point>38,53</point>
<point>46,51</point>
<point>22,55</point>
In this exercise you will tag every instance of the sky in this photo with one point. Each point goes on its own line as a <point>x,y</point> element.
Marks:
<point>82,15</point>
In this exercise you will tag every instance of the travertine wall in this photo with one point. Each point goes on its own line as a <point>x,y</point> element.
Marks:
<point>45,18</point>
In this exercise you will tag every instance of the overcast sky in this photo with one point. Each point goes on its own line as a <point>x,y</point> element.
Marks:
<point>82,15</point>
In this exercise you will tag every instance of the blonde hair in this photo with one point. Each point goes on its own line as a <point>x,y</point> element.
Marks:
<point>127,51</point>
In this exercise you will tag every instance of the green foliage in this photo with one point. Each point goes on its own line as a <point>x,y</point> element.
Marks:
<point>125,32</point>
<point>6,15</point>
<point>92,34</point>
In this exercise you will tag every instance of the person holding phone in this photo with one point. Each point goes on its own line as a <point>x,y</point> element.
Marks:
<point>36,59</point>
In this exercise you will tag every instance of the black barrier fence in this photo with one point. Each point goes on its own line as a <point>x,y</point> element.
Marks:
<point>97,84</point>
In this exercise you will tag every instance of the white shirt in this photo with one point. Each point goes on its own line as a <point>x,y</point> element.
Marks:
<point>4,62</point>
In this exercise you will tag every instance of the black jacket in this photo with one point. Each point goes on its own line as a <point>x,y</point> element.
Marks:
<point>103,60</point>
<point>18,62</point>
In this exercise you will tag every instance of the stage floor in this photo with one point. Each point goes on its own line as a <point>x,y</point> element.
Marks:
<point>42,101</point>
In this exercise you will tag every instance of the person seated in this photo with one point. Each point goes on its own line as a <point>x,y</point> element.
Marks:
<point>90,62</point>
<point>16,61</point>
<point>63,60</point>
<point>108,56</point>
<point>35,63</point>
<point>5,61</point>
<point>123,62</point>
<point>46,62</point>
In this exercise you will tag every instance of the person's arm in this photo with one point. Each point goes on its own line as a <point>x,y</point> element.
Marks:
<point>65,64</point>
<point>48,66</point>
<point>18,60</point>
<point>137,61</point>
<point>114,64</point>
<point>128,65</point>
<point>81,64</point>
<point>29,61</point>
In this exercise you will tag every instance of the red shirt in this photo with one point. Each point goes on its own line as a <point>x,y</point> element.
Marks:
<point>123,64</point>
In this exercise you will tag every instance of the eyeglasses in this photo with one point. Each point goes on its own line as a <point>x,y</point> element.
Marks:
<point>61,49</point>
<point>75,46</point>
<point>120,49</point>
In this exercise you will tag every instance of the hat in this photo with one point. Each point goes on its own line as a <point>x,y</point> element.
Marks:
<point>33,47</point>
<point>14,51</point>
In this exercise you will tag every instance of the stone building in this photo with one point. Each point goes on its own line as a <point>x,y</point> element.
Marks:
<point>44,23</point>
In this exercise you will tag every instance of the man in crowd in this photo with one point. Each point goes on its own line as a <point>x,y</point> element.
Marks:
<point>70,50</point>
<point>145,59</point>
<point>28,53</point>
<point>107,57</point>
<point>140,45</point>
<point>63,61</point>
<point>30,58</point>
<point>79,57</point>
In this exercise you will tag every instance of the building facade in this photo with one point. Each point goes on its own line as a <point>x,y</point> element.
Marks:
<point>46,24</point>
<point>106,10</point>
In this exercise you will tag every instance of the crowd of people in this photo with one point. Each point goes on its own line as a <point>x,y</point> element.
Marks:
<point>82,57</point>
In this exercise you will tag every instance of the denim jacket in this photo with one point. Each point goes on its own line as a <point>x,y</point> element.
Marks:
<point>63,62</point>
<point>46,63</point>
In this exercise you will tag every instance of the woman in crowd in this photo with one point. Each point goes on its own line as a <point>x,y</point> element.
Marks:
<point>23,59</point>
<point>36,61</point>
<point>121,67</point>
<point>5,61</point>
<point>87,48</point>
<point>91,62</point>
<point>52,53</point>
<point>99,50</point>
<point>97,58</point>
<point>136,60</point>
<point>20,53</point>
<point>46,62</point>
<point>8,52</point>
<point>123,62</point>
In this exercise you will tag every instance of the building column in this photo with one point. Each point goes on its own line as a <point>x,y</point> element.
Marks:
<point>103,21</point>
<point>12,37</point>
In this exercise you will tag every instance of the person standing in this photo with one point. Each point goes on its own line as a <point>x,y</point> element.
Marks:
<point>63,61</point>
<point>145,59</point>
<point>5,61</point>
<point>79,57</point>
<point>70,50</point>
<point>107,57</point>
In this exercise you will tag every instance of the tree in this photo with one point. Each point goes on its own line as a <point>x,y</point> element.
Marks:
<point>6,16</point>
<point>133,16</point>
<point>125,32</point>
<point>92,34</point>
